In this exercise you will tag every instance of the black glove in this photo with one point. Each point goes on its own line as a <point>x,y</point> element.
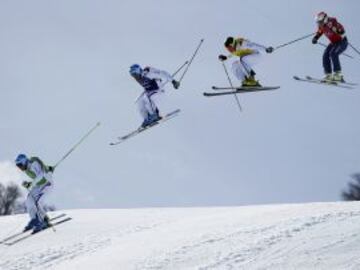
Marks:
<point>314,40</point>
<point>338,30</point>
<point>26,184</point>
<point>51,168</point>
<point>176,84</point>
<point>222,57</point>
<point>269,49</point>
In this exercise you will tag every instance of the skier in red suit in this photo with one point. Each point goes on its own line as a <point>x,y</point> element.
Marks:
<point>335,32</point>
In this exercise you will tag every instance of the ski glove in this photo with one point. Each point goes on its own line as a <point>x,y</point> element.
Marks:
<point>176,84</point>
<point>222,57</point>
<point>26,184</point>
<point>314,40</point>
<point>269,49</point>
<point>51,168</point>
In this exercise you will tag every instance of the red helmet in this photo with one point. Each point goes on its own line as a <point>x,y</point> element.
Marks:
<point>321,18</point>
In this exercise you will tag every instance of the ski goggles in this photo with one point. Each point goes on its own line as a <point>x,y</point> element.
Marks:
<point>234,42</point>
<point>22,166</point>
<point>21,163</point>
<point>135,70</point>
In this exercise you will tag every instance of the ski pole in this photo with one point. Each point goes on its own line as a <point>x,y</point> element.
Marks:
<point>293,41</point>
<point>356,50</point>
<point>76,145</point>
<point>180,68</point>
<point>191,59</point>
<point>347,55</point>
<point>231,84</point>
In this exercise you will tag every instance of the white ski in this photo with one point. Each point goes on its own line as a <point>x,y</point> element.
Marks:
<point>330,81</point>
<point>22,232</point>
<point>29,234</point>
<point>141,129</point>
<point>318,81</point>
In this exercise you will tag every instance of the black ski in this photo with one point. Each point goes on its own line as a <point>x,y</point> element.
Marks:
<point>238,90</point>
<point>245,88</point>
<point>33,234</point>
<point>20,233</point>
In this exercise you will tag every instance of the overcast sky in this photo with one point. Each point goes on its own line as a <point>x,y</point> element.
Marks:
<point>64,66</point>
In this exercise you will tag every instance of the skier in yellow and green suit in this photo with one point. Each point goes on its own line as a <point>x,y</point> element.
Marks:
<point>248,55</point>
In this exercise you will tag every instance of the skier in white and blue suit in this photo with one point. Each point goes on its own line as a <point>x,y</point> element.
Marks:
<point>39,185</point>
<point>153,82</point>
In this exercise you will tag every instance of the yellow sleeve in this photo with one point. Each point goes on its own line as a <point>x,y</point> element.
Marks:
<point>243,52</point>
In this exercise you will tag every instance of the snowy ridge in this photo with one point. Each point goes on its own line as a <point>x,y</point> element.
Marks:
<point>299,236</point>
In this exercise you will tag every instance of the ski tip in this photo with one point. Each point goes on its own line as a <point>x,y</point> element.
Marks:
<point>116,143</point>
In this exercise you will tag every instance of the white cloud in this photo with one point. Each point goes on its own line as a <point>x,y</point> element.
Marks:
<point>9,172</point>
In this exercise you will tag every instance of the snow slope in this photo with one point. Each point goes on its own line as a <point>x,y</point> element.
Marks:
<point>302,236</point>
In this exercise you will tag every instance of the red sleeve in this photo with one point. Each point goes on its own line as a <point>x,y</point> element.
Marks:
<point>319,32</point>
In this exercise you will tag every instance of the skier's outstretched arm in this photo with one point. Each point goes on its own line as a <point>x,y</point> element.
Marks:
<point>163,75</point>
<point>155,73</point>
<point>318,34</point>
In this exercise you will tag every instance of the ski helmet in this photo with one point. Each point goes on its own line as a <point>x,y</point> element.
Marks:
<point>229,41</point>
<point>135,69</point>
<point>321,18</point>
<point>21,161</point>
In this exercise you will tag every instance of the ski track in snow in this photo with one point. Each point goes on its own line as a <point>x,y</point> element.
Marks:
<point>242,255</point>
<point>309,236</point>
<point>49,257</point>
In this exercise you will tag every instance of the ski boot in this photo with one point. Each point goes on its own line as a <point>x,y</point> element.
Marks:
<point>328,78</point>
<point>32,223</point>
<point>47,220</point>
<point>250,82</point>
<point>144,124</point>
<point>151,119</point>
<point>338,77</point>
<point>40,226</point>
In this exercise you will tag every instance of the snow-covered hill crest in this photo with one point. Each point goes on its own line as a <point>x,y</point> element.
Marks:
<point>302,236</point>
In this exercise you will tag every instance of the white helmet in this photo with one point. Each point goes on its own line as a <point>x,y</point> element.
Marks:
<point>321,18</point>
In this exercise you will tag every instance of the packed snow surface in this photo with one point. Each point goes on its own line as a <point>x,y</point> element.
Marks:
<point>298,236</point>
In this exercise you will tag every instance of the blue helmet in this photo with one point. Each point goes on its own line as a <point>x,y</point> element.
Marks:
<point>135,69</point>
<point>21,160</point>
